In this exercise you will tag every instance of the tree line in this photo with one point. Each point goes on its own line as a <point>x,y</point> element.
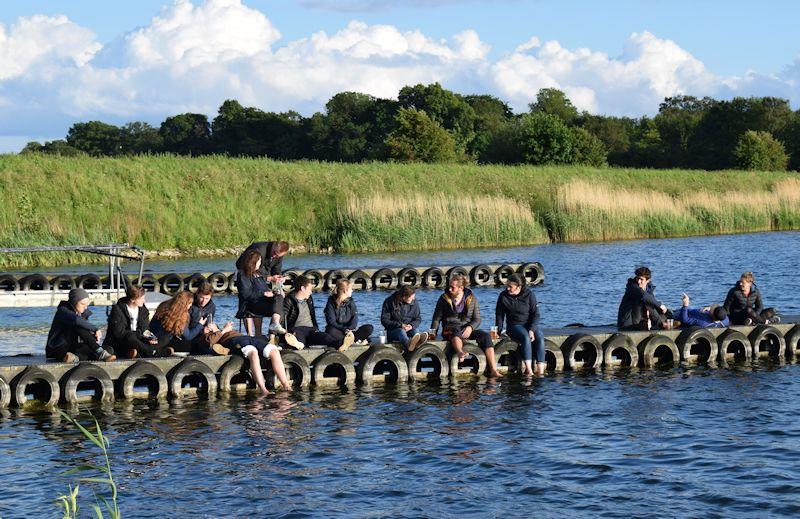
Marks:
<point>428,123</point>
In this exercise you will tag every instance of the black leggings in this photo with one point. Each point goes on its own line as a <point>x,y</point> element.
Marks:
<point>483,339</point>
<point>237,343</point>
<point>363,333</point>
<point>313,337</point>
<point>757,317</point>
<point>266,306</point>
<point>84,346</point>
<point>132,341</point>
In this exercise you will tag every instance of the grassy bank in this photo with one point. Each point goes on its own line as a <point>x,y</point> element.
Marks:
<point>166,202</point>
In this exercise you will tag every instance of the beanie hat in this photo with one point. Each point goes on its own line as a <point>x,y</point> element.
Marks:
<point>76,295</point>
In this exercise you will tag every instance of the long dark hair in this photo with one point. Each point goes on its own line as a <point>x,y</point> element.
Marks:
<point>249,262</point>
<point>402,293</point>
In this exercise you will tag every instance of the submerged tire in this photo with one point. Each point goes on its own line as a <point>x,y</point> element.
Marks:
<point>218,281</point>
<point>192,283</point>
<point>733,345</point>
<point>582,351</point>
<point>44,387</point>
<point>288,281</point>
<point>792,339</point>
<point>316,278</point>
<point>502,273</point>
<point>170,284</point>
<point>553,356</point>
<point>436,359</point>
<point>339,368</point>
<point>409,277</point>
<point>62,282</point>
<point>433,278</point>
<point>457,271</point>
<point>89,282</point>
<point>384,279</point>
<point>506,353</point>
<point>474,364</point>
<point>232,372</point>
<point>8,283</point>
<point>658,350</point>
<point>34,282</point>
<point>155,380</point>
<point>149,283</point>
<point>697,345</point>
<point>532,273</point>
<point>392,366</point>
<point>619,351</point>
<point>359,280</point>
<point>297,369</point>
<point>5,393</point>
<point>332,276</point>
<point>481,276</point>
<point>203,377</point>
<point>84,373</point>
<point>767,341</point>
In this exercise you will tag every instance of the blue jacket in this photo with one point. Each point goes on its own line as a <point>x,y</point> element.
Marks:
<point>689,316</point>
<point>165,337</point>
<point>342,317</point>
<point>197,312</point>
<point>522,308</point>
<point>394,316</point>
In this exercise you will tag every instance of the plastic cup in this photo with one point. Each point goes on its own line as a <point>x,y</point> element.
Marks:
<point>670,324</point>
<point>382,338</point>
<point>494,334</point>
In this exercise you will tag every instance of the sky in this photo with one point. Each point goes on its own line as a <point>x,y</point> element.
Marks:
<point>67,61</point>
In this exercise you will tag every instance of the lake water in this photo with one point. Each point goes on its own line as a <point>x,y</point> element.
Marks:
<point>682,442</point>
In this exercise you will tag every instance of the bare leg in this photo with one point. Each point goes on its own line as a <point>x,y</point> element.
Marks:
<point>458,345</point>
<point>279,369</point>
<point>527,367</point>
<point>257,326</point>
<point>491,363</point>
<point>276,318</point>
<point>255,371</point>
<point>540,368</point>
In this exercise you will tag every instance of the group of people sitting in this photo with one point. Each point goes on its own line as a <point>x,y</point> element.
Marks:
<point>185,324</point>
<point>641,310</point>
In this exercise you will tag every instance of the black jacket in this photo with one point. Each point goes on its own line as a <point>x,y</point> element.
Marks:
<point>197,312</point>
<point>251,289</point>
<point>632,307</point>
<point>342,317</point>
<point>269,266</point>
<point>291,310</point>
<point>119,322</point>
<point>737,303</point>
<point>446,313</point>
<point>394,315</point>
<point>66,321</point>
<point>519,309</point>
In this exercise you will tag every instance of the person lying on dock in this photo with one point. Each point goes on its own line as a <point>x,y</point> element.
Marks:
<point>72,337</point>
<point>128,325</point>
<point>458,312</point>
<point>256,296</point>
<point>744,305</point>
<point>518,307</point>
<point>401,317</point>
<point>170,324</point>
<point>713,316</point>
<point>204,309</point>
<point>639,308</point>
<point>301,320</point>
<point>252,349</point>
<point>341,317</point>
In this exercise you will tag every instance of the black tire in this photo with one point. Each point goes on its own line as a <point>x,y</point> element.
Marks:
<point>507,354</point>
<point>332,276</point>
<point>360,280</point>
<point>502,273</point>
<point>316,277</point>
<point>409,276</point>
<point>156,381</point>
<point>384,279</point>
<point>219,282</point>
<point>105,282</point>
<point>478,365</point>
<point>438,361</point>
<point>658,351</point>
<point>232,282</point>
<point>88,282</point>
<point>433,278</point>
<point>82,373</point>
<point>8,283</point>
<point>341,372</point>
<point>734,346</point>
<point>62,282</point>
<point>619,351</point>
<point>697,345</point>
<point>792,340</point>
<point>457,271</point>
<point>171,284</point>
<point>5,393</point>
<point>46,388</point>
<point>553,356</point>
<point>288,280</point>
<point>192,283</point>
<point>297,370</point>
<point>767,341</point>
<point>582,351</point>
<point>34,282</point>
<point>202,374</point>
<point>532,273</point>
<point>231,374</point>
<point>384,356</point>
<point>481,276</point>
<point>149,283</point>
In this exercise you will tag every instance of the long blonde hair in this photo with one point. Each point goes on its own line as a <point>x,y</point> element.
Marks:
<point>339,291</point>
<point>173,314</point>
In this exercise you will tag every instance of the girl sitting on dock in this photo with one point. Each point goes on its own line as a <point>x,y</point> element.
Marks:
<point>170,324</point>
<point>341,316</point>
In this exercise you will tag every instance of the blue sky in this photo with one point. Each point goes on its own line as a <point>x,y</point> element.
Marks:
<point>112,61</point>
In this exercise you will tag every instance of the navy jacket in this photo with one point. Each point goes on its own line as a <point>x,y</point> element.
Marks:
<point>342,317</point>
<point>736,304</point>
<point>197,312</point>
<point>119,322</point>
<point>689,316</point>
<point>251,289</point>
<point>269,266</point>
<point>66,322</point>
<point>291,310</point>
<point>632,307</point>
<point>164,337</point>
<point>394,315</point>
<point>519,309</point>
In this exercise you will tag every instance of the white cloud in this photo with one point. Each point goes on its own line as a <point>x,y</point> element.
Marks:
<point>191,57</point>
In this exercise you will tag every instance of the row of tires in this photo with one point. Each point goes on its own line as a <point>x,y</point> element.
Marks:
<point>386,364</point>
<point>382,279</point>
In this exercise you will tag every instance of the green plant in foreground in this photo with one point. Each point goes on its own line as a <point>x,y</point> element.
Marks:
<point>69,502</point>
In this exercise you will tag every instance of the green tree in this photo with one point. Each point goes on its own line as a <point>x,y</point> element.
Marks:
<point>759,151</point>
<point>139,137</point>
<point>491,116</point>
<point>676,122</point>
<point>447,108</point>
<point>616,134</point>
<point>790,137</point>
<point>250,132</point>
<point>544,139</point>
<point>646,149</point>
<point>186,134</point>
<point>555,102</point>
<point>418,138</point>
<point>587,149</point>
<point>95,138</point>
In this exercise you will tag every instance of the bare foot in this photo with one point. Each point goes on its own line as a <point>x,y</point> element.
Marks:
<point>494,374</point>
<point>461,356</point>
<point>287,387</point>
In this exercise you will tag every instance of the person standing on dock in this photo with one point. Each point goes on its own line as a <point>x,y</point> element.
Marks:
<point>258,297</point>
<point>341,317</point>
<point>72,337</point>
<point>744,305</point>
<point>128,325</point>
<point>458,312</point>
<point>401,317</point>
<point>639,308</point>
<point>518,307</point>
